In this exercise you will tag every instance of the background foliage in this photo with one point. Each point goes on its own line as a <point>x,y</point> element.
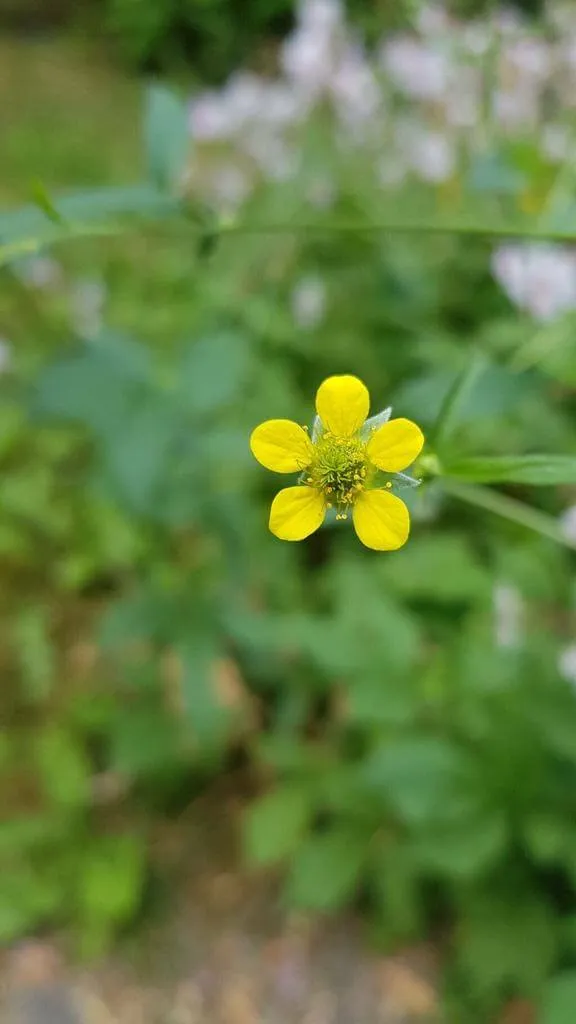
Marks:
<point>407,718</point>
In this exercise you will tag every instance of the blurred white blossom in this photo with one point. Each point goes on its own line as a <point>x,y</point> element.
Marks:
<point>308,302</point>
<point>431,154</point>
<point>87,306</point>
<point>40,272</point>
<point>568,523</point>
<point>539,278</point>
<point>5,355</point>
<point>567,663</point>
<point>415,68</point>
<point>508,615</point>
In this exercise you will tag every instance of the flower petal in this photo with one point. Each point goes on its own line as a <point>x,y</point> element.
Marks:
<point>296,512</point>
<point>381,520</point>
<point>342,404</point>
<point>281,445</point>
<point>395,445</point>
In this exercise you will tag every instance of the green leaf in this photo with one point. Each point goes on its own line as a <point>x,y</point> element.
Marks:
<point>538,470</point>
<point>213,372</point>
<point>44,202</point>
<point>64,767</point>
<point>327,869</point>
<point>509,508</point>
<point>508,941</point>
<point>96,385</point>
<point>144,739</point>
<point>463,849</point>
<point>558,1001</point>
<point>138,456</point>
<point>31,633</point>
<point>455,399</point>
<point>421,777</point>
<point>208,720</point>
<point>440,568</point>
<point>111,878</point>
<point>275,824</point>
<point>97,212</point>
<point>167,136</point>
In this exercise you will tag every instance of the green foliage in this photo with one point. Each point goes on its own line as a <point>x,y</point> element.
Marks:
<point>415,737</point>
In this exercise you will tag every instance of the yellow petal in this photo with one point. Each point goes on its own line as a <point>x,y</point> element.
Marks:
<point>342,404</point>
<point>282,446</point>
<point>395,445</point>
<point>296,512</point>
<point>381,520</point>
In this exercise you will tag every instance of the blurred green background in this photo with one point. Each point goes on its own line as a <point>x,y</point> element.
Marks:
<point>405,724</point>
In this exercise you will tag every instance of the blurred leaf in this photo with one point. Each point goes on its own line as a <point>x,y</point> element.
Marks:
<point>557,1004</point>
<point>438,568</point>
<point>111,878</point>
<point>395,881</point>
<point>423,778</point>
<point>213,372</point>
<point>275,824</point>
<point>496,391</point>
<point>63,766</point>
<point>508,941</point>
<point>456,398</point>
<point>143,739</point>
<point>138,458</point>
<point>208,719</point>
<point>463,849</point>
<point>167,136</point>
<point>104,211</point>
<point>95,385</point>
<point>326,869</point>
<point>43,201</point>
<point>539,470</point>
<point>31,632</point>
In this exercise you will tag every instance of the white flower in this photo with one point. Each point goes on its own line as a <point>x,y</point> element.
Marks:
<point>568,523</point>
<point>567,663</point>
<point>415,68</point>
<point>538,277</point>
<point>209,117</point>
<point>322,15</point>
<point>530,58</point>
<point>432,19</point>
<point>355,89</point>
<point>306,58</point>
<point>88,299</point>
<point>556,142</point>
<point>40,272</point>
<point>516,106</point>
<point>432,156</point>
<point>508,615</point>
<point>308,302</point>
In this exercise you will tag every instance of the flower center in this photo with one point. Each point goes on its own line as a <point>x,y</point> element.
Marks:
<point>338,470</point>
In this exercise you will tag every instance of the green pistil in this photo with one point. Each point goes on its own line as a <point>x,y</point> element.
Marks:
<point>339,470</point>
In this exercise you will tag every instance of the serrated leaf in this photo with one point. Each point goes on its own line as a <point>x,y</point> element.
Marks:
<point>275,824</point>
<point>167,136</point>
<point>538,470</point>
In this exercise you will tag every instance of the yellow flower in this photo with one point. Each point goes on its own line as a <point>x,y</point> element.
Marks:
<point>338,465</point>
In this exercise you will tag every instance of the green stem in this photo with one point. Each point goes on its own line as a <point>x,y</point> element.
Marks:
<point>508,508</point>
